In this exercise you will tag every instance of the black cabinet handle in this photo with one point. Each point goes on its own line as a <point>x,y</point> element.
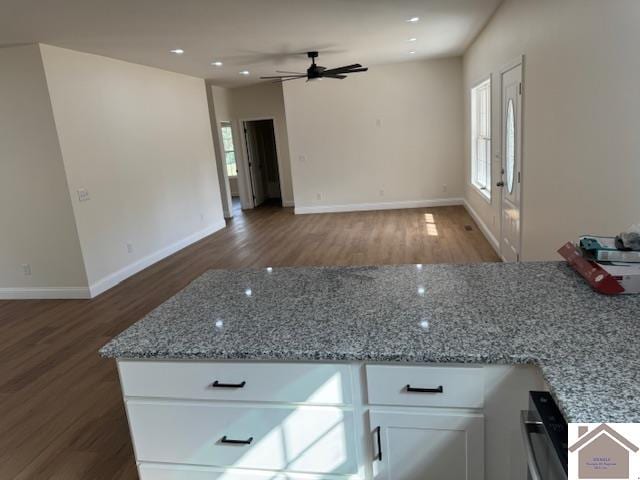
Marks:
<point>379,455</point>
<point>230,441</point>
<point>439,389</point>
<point>217,384</point>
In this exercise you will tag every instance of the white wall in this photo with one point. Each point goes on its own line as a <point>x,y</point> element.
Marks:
<point>262,100</point>
<point>581,146</point>
<point>220,104</point>
<point>396,128</point>
<point>222,99</point>
<point>139,140</point>
<point>224,182</point>
<point>36,219</point>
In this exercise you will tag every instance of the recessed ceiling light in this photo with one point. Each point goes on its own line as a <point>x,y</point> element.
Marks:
<point>412,39</point>
<point>216,64</point>
<point>413,19</point>
<point>244,72</point>
<point>412,52</point>
<point>177,51</point>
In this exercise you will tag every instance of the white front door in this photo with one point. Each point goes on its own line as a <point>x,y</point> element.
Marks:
<point>511,180</point>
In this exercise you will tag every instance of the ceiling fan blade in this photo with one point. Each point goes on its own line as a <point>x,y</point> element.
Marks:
<point>293,73</point>
<point>286,79</point>
<point>338,76</point>
<point>344,68</point>
<point>282,76</point>
<point>355,70</point>
<point>293,78</point>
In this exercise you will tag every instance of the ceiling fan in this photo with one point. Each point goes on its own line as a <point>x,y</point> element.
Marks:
<point>316,72</point>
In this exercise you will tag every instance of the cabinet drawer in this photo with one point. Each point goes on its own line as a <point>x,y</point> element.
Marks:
<point>425,386</point>
<point>303,439</point>
<point>150,471</point>
<point>264,382</point>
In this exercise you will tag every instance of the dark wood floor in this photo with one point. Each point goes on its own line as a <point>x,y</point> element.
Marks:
<point>61,414</point>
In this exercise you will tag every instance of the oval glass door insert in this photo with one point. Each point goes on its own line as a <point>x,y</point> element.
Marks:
<point>510,145</point>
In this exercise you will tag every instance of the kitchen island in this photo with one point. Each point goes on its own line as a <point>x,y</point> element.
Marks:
<point>539,316</point>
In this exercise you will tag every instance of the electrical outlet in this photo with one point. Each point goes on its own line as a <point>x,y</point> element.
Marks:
<point>444,189</point>
<point>302,158</point>
<point>378,122</point>
<point>318,196</point>
<point>26,269</point>
<point>381,192</point>
<point>129,247</point>
<point>83,195</point>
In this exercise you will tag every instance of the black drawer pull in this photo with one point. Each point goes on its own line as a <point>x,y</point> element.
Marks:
<point>439,389</point>
<point>230,441</point>
<point>217,384</point>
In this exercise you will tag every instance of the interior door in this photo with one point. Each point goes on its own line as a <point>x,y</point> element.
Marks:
<point>255,160</point>
<point>511,181</point>
<point>427,446</point>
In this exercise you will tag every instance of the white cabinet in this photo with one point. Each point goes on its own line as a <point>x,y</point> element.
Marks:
<point>313,439</point>
<point>193,420</point>
<point>420,386</point>
<point>163,471</point>
<point>314,383</point>
<point>427,445</point>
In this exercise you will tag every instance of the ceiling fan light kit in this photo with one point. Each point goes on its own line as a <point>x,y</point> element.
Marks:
<point>317,72</point>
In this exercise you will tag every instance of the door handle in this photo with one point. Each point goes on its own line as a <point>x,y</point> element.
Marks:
<point>527,427</point>
<point>378,435</point>
<point>500,184</point>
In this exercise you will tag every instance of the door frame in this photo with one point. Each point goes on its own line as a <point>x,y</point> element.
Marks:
<point>519,60</point>
<point>246,178</point>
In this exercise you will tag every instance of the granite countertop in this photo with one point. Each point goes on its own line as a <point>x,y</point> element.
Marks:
<point>539,313</point>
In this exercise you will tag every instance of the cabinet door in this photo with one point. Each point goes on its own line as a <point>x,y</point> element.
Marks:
<point>427,446</point>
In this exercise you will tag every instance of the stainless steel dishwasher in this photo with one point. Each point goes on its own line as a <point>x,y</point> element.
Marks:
<point>544,433</point>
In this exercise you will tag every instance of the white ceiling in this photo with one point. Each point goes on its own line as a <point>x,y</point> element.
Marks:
<point>258,35</point>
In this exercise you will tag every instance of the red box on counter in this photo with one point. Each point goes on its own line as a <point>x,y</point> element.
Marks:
<point>611,279</point>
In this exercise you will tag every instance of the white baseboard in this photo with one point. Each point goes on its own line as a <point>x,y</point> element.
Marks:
<point>37,293</point>
<point>357,207</point>
<point>493,241</point>
<point>113,279</point>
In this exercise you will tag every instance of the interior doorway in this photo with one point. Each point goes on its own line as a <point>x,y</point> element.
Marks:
<point>262,160</point>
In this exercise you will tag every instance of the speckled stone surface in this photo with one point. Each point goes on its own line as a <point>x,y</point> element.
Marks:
<point>586,344</point>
